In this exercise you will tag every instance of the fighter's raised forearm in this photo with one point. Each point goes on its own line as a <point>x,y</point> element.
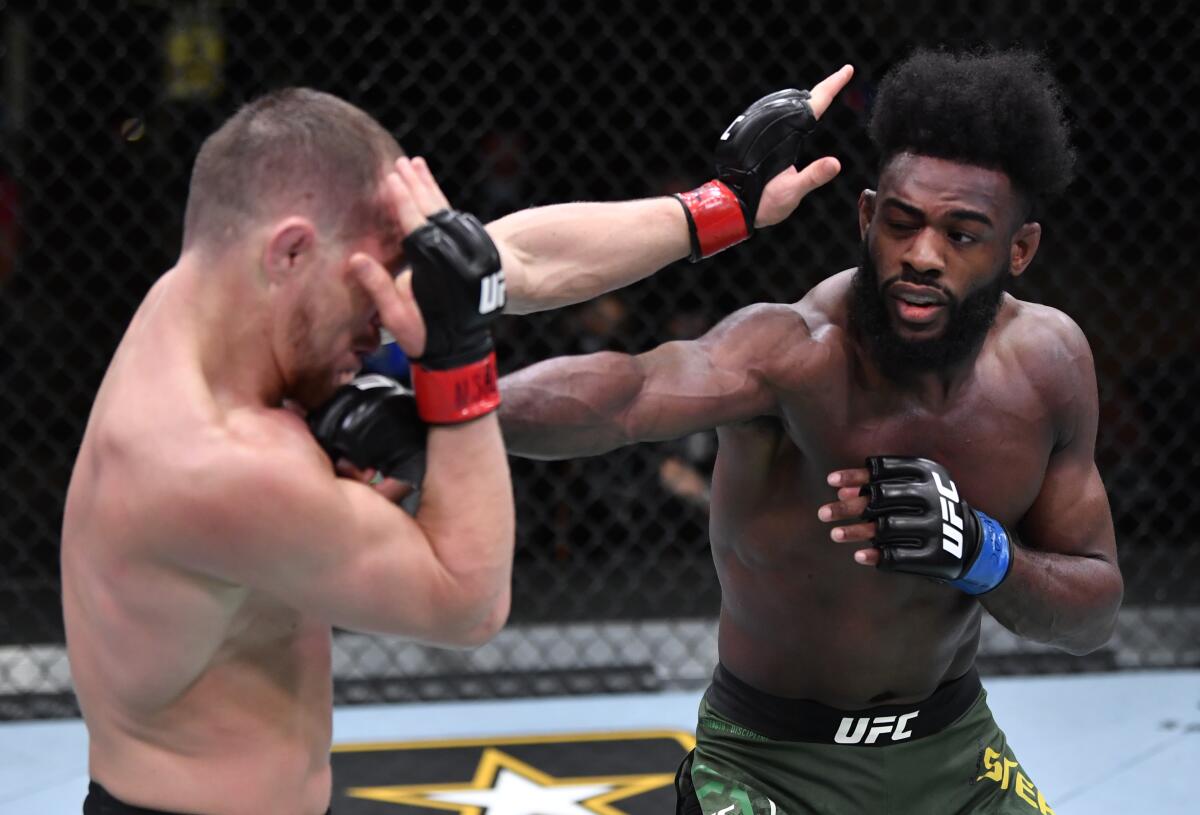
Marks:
<point>566,253</point>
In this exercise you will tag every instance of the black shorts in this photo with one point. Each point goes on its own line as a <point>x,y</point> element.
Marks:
<point>100,801</point>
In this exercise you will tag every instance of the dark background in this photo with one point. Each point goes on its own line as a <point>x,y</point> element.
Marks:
<point>518,104</point>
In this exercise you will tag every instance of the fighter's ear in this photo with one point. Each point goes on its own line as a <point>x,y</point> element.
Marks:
<point>866,211</point>
<point>289,247</point>
<point>1024,246</point>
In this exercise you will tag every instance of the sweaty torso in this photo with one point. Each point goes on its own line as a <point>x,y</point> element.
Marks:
<point>799,617</point>
<point>199,695</point>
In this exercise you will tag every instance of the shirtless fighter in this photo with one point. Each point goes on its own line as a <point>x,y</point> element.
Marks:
<point>208,547</point>
<point>846,679</point>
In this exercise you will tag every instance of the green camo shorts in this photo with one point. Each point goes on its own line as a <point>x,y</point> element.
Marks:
<point>966,767</point>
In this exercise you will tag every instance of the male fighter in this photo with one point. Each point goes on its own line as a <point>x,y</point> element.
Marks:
<point>208,547</point>
<point>845,681</point>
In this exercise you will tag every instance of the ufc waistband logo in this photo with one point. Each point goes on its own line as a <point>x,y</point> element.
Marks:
<point>852,729</point>
<point>491,292</point>
<point>952,522</point>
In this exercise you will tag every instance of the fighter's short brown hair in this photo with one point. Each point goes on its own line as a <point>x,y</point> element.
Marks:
<point>294,149</point>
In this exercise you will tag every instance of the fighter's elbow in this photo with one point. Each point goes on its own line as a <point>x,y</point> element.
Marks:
<point>1100,622</point>
<point>1086,642</point>
<point>481,623</point>
<point>493,623</point>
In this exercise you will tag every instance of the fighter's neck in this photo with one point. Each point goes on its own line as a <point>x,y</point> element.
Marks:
<point>226,319</point>
<point>931,389</point>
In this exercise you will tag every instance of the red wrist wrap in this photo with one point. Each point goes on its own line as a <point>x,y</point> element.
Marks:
<point>715,217</point>
<point>457,394</point>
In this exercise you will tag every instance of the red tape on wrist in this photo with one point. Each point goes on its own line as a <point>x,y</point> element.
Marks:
<point>717,217</point>
<point>457,394</point>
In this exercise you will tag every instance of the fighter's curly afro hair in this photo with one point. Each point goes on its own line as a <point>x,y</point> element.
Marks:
<point>996,109</point>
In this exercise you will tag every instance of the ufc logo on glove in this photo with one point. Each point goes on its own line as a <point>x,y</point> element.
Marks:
<point>492,296</point>
<point>922,527</point>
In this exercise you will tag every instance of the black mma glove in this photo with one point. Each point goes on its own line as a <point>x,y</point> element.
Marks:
<point>459,287</point>
<point>923,527</point>
<point>756,147</point>
<point>373,424</point>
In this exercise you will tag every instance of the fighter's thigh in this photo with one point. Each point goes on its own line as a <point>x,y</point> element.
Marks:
<point>1004,786</point>
<point>744,776</point>
<point>969,768</point>
<point>707,789</point>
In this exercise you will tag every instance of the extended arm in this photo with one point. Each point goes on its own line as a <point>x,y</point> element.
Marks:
<point>567,253</point>
<point>584,405</point>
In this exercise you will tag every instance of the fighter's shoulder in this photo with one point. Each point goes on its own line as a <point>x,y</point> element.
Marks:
<point>1049,350</point>
<point>826,306</point>
<point>1043,338</point>
<point>247,470</point>
<point>817,316</point>
<point>268,444</point>
<point>761,323</point>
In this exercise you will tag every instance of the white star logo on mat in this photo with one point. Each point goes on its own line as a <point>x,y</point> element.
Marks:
<point>516,795</point>
<point>505,785</point>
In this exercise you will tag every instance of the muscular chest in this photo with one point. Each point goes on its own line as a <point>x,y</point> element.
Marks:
<point>995,440</point>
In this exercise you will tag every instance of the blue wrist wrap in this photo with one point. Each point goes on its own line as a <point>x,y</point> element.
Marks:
<point>992,564</point>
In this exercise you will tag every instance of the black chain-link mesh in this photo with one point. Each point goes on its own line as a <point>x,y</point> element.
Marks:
<point>516,104</point>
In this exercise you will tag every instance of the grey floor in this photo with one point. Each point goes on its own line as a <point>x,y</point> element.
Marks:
<point>1125,742</point>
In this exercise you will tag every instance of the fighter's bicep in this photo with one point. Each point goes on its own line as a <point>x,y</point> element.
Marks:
<point>378,571</point>
<point>729,375</point>
<point>329,546</point>
<point>1071,514</point>
<point>685,387</point>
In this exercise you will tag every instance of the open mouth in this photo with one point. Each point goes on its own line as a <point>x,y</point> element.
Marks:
<point>917,305</point>
<point>918,313</point>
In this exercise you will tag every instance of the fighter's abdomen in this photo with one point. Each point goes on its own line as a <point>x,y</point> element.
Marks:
<point>799,617</point>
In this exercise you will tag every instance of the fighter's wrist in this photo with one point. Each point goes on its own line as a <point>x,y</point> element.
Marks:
<point>715,219</point>
<point>457,349</point>
<point>455,395</point>
<point>992,562</point>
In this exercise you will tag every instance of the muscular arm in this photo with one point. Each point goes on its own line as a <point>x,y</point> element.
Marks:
<point>271,516</point>
<point>566,253</point>
<point>584,405</point>
<point>1065,587</point>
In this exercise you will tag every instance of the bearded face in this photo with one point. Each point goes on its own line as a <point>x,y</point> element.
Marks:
<point>879,309</point>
